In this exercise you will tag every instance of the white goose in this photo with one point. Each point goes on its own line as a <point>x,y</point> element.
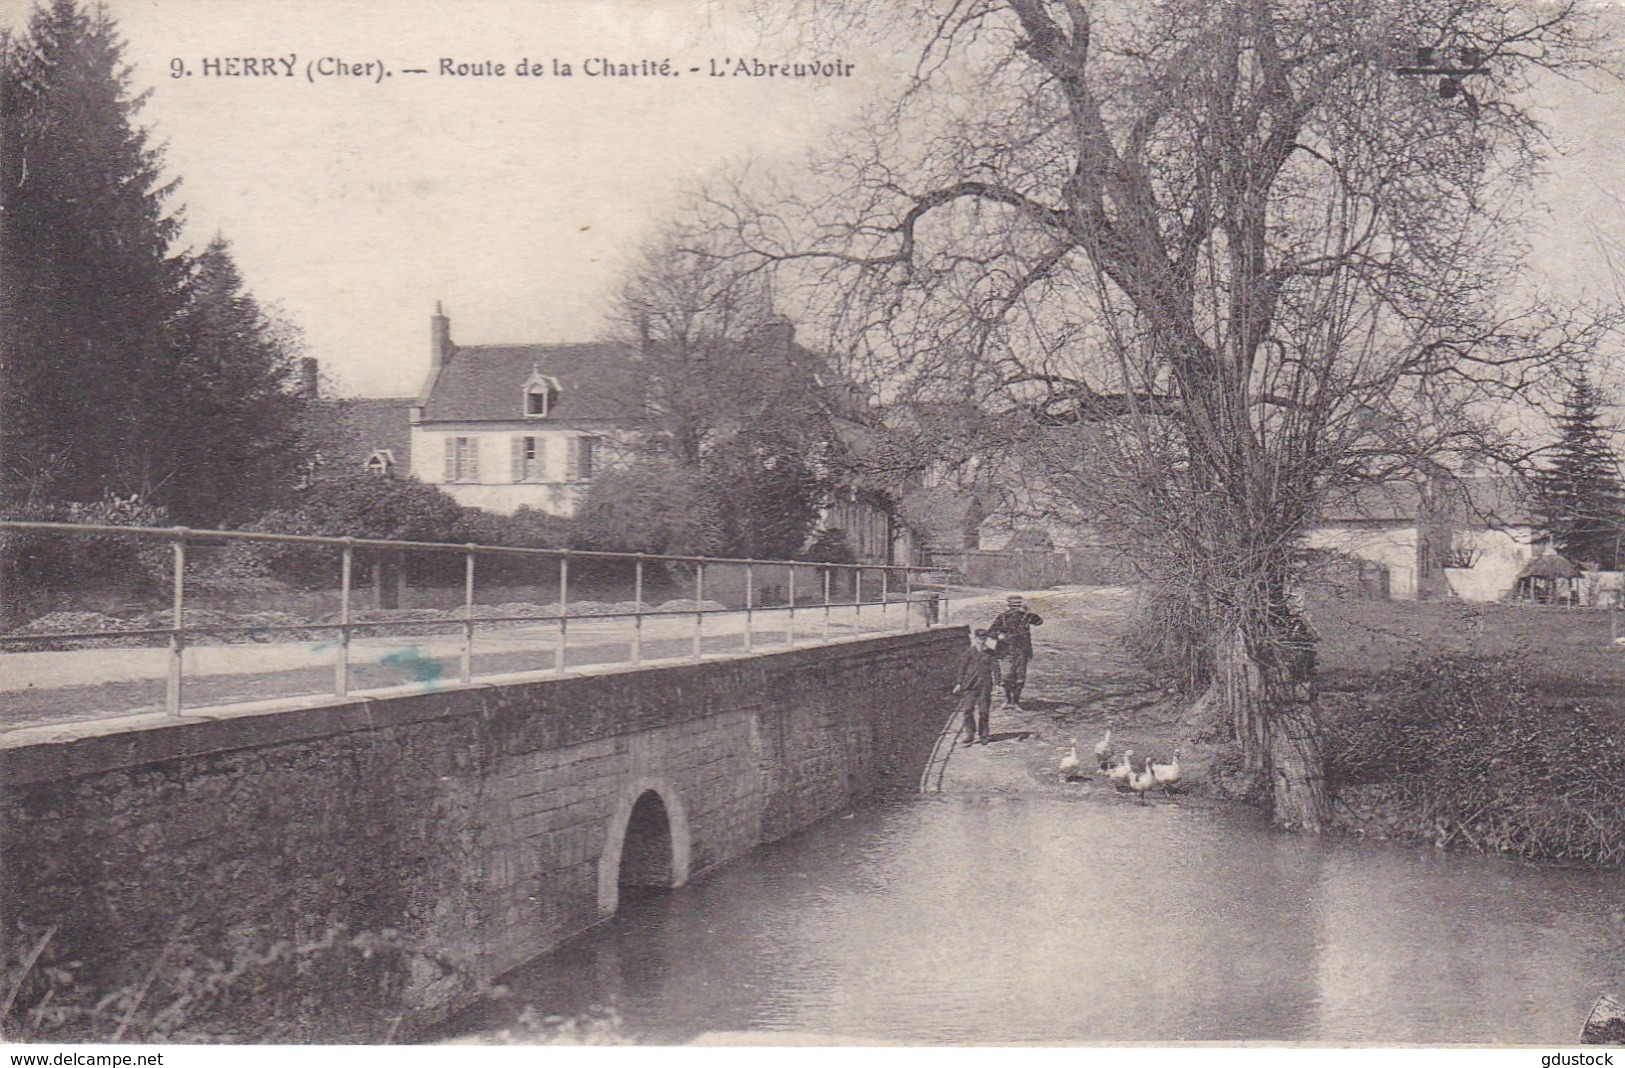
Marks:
<point>1142,781</point>
<point>1103,751</point>
<point>1070,762</point>
<point>1166,774</point>
<point>1120,774</point>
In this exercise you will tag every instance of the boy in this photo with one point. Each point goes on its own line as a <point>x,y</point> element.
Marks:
<point>975,686</point>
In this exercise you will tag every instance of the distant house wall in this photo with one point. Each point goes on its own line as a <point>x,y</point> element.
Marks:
<point>875,537</point>
<point>1394,545</point>
<point>1497,555</point>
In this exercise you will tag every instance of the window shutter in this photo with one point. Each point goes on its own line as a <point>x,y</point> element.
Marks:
<point>473,458</point>
<point>451,459</point>
<point>519,459</point>
<point>573,456</point>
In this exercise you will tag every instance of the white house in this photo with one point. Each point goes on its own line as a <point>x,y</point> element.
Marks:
<point>1462,537</point>
<point>501,426</point>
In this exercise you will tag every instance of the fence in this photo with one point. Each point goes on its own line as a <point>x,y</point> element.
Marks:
<point>736,606</point>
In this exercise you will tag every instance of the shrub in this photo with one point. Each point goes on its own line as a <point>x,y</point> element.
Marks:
<point>40,566</point>
<point>340,987</point>
<point>1475,756</point>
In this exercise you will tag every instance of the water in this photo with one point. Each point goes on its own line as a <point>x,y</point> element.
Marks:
<point>996,920</point>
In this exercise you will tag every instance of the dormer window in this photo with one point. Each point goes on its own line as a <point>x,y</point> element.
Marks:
<point>541,394</point>
<point>381,462</point>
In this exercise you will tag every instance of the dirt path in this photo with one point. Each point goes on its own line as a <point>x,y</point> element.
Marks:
<point>1081,681</point>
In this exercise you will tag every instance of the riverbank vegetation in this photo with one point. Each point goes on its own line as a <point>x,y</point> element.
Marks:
<point>1491,727</point>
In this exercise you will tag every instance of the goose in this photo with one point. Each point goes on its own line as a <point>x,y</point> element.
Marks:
<point>1141,781</point>
<point>1103,751</point>
<point>1120,774</point>
<point>1070,762</point>
<point>1166,774</point>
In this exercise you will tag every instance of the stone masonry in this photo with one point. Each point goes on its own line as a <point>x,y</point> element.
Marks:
<point>469,828</point>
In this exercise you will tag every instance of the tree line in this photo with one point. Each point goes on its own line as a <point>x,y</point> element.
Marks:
<point>132,367</point>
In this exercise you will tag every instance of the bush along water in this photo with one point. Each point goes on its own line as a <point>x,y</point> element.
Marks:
<point>341,987</point>
<point>1480,752</point>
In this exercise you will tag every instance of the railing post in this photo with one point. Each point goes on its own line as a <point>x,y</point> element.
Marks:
<point>829,571</point>
<point>908,599</point>
<point>885,597</point>
<point>564,611</point>
<point>699,610</point>
<point>790,627</point>
<point>341,668</point>
<point>177,636</point>
<point>748,592</point>
<point>857,600</point>
<point>468,617</point>
<point>942,603</point>
<point>637,620</point>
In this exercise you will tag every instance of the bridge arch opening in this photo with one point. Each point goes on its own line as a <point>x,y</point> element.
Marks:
<point>647,848</point>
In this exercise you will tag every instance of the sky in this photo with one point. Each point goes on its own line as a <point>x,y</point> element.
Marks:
<point>353,203</point>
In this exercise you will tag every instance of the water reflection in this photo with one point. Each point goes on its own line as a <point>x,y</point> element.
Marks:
<point>954,920</point>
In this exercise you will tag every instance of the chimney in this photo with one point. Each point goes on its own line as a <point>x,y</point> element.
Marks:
<point>309,379</point>
<point>440,346</point>
<point>783,334</point>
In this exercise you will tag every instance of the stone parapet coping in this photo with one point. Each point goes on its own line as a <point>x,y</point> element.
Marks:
<point>57,752</point>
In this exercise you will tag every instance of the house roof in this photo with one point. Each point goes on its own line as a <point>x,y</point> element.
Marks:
<point>1379,502</point>
<point>360,426</point>
<point>1549,565</point>
<point>487,382</point>
<point>380,423</point>
<point>1485,501</point>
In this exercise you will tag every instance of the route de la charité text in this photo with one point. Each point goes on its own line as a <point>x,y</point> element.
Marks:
<point>325,68</point>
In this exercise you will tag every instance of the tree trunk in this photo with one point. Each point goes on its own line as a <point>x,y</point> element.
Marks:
<point>1270,706</point>
<point>1297,763</point>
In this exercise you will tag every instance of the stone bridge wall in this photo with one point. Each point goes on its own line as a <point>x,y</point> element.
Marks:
<point>432,840</point>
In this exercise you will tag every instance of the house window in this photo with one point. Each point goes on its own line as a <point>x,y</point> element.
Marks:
<point>527,459</point>
<point>583,459</point>
<point>541,395</point>
<point>462,460</point>
<point>381,462</point>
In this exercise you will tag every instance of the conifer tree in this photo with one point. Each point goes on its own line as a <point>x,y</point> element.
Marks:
<point>129,368</point>
<point>89,286</point>
<point>230,438</point>
<point>1579,499</point>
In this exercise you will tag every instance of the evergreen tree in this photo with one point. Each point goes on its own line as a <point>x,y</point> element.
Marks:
<point>89,287</point>
<point>230,439</point>
<point>1579,499</point>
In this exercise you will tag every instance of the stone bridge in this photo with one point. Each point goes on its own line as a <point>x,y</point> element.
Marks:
<point>432,839</point>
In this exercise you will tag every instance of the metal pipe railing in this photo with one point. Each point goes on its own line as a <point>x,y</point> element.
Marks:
<point>181,635</point>
<point>177,640</point>
<point>341,671</point>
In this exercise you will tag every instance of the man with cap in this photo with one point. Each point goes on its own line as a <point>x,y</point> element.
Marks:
<point>1013,629</point>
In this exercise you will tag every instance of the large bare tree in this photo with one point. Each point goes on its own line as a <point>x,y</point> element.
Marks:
<point>1220,259</point>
